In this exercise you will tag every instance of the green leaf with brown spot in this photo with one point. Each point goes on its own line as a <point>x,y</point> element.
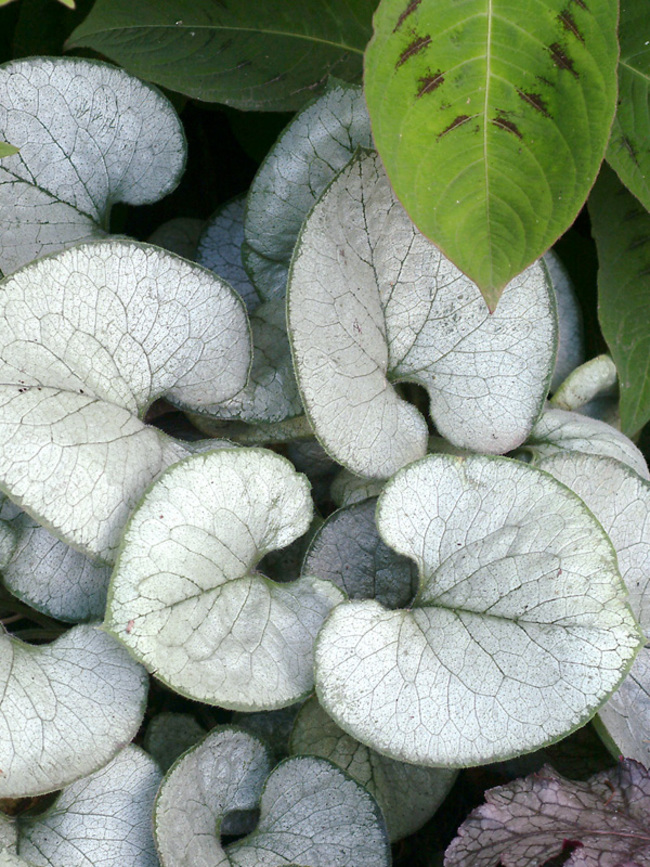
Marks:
<point>248,54</point>
<point>629,146</point>
<point>621,227</point>
<point>492,119</point>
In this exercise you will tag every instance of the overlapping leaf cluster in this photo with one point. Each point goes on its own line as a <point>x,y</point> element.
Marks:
<point>478,610</point>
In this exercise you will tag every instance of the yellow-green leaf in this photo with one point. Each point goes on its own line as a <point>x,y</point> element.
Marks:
<point>6,149</point>
<point>492,119</point>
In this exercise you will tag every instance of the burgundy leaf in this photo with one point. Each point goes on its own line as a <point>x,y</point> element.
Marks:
<point>604,822</point>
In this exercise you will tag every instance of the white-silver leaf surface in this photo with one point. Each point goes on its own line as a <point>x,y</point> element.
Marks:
<point>89,339</point>
<point>103,820</point>
<point>519,632</point>
<point>88,135</point>
<point>372,302</point>
<point>187,599</point>
<point>66,709</point>
<point>314,147</point>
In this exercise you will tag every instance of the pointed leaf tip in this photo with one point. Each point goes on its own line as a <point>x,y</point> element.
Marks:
<point>492,120</point>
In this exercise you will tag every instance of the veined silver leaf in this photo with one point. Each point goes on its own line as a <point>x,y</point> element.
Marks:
<point>67,708</point>
<point>220,249</point>
<point>186,598</point>
<point>89,135</point>
<point>560,431</point>
<point>103,819</point>
<point>54,578</point>
<point>372,302</point>
<point>315,146</point>
<point>222,774</point>
<point>620,499</point>
<point>311,812</point>
<point>89,338</point>
<point>271,393</point>
<point>408,795</point>
<point>519,632</point>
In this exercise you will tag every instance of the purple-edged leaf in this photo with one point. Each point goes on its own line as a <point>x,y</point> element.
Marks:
<point>531,820</point>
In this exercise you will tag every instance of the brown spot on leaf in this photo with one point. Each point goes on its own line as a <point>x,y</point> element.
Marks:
<point>430,82</point>
<point>456,122</point>
<point>414,48</point>
<point>534,100</point>
<point>567,21</point>
<point>503,123</point>
<point>561,59</point>
<point>580,3</point>
<point>412,6</point>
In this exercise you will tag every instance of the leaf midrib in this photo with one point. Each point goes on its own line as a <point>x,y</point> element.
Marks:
<point>218,28</point>
<point>488,48</point>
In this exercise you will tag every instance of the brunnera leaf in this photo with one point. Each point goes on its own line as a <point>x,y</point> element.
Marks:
<point>518,633</point>
<point>621,229</point>
<point>250,55</point>
<point>311,812</point>
<point>529,821</point>
<point>220,249</point>
<point>628,152</point>
<point>186,597</point>
<point>54,578</point>
<point>492,120</point>
<point>348,551</point>
<point>592,384</point>
<point>223,773</point>
<point>620,500</point>
<point>558,430</point>
<point>89,135</point>
<point>371,302</point>
<point>90,338</point>
<point>67,708</point>
<point>408,795</point>
<point>271,394</point>
<point>317,144</point>
<point>103,819</point>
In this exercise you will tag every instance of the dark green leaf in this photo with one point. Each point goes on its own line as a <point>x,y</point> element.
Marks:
<point>245,53</point>
<point>621,227</point>
<point>629,146</point>
<point>492,119</point>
